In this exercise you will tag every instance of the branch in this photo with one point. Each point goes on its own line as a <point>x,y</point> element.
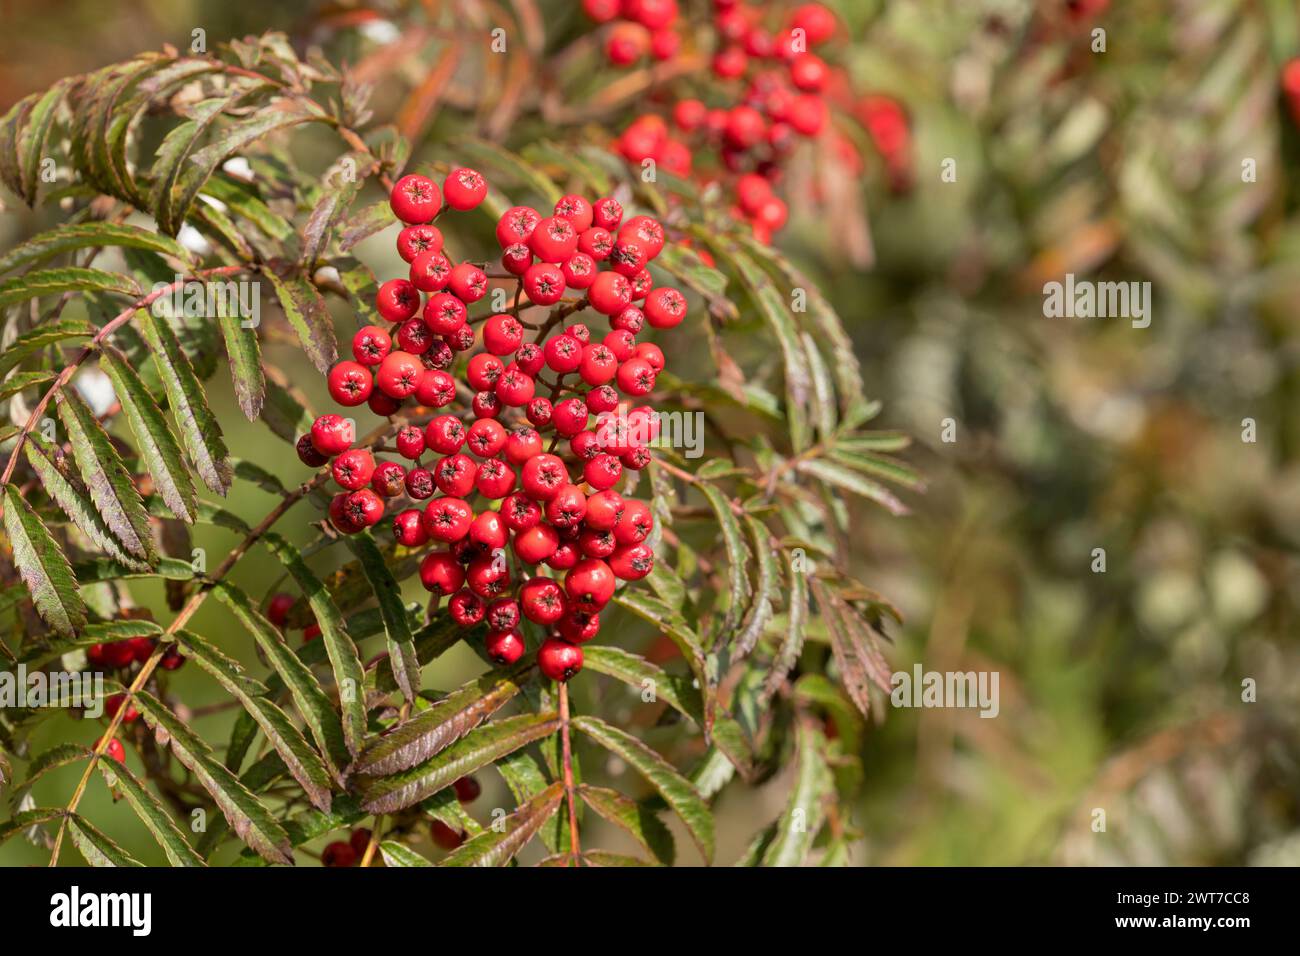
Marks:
<point>575,849</point>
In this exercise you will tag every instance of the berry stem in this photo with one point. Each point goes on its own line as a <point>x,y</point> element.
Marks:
<point>575,849</point>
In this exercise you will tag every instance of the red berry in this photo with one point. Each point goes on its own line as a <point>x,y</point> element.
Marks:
<point>516,225</point>
<point>277,611</point>
<point>430,272</point>
<point>544,283</point>
<point>601,11</point>
<point>631,562</point>
<point>467,789</point>
<point>808,114</point>
<point>570,417</point>
<point>665,307</point>
<point>486,405</point>
<point>636,377</point>
<point>554,239</point>
<point>115,751</point>
<point>515,388</point>
<point>398,374</point>
<point>519,513</point>
<point>604,509</point>
<point>503,614</point>
<point>665,44</point>
<point>371,344</point>
<point>488,577</point>
<point>488,531</point>
<point>502,334</point>
<point>113,703</point>
<point>516,258</point>
<point>444,836</point>
<point>504,647</point>
<point>543,476</point>
<point>410,442</point>
<point>610,293</point>
<point>630,319</point>
<point>483,371</point>
<point>627,43</point>
<point>389,479</point>
<point>307,453</point>
<point>486,437</point>
<point>466,608</point>
<point>435,388</point>
<point>602,398</point>
<point>414,336</point>
<point>578,627</point>
<point>536,544</point>
<point>419,483</point>
<point>579,271</point>
<point>445,435</point>
<point>397,300</point>
<point>689,114</point>
<point>464,188</point>
<point>652,354</point>
<point>445,313</point>
<point>408,528</point>
<point>636,524</point>
<point>598,365</point>
<point>523,443</point>
<point>448,520</point>
<point>338,854</point>
<point>454,475</point>
<point>415,199</point>
<point>468,282</point>
<point>359,840</point>
<point>441,573</point>
<point>730,62</point>
<point>414,240</point>
<point>542,601</point>
<point>495,479</point>
<point>589,584</point>
<point>597,243</point>
<point>331,434</point>
<point>596,544</point>
<point>606,213</point>
<point>563,353</point>
<point>539,412</point>
<point>559,660</point>
<point>381,404</point>
<point>364,508</point>
<point>602,472</point>
<point>565,557</point>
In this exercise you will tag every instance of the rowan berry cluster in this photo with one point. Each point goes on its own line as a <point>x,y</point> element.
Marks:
<point>534,472</point>
<point>775,91</point>
<point>643,27</point>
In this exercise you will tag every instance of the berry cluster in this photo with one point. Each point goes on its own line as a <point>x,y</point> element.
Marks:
<point>530,471</point>
<point>125,654</point>
<point>643,27</point>
<point>777,92</point>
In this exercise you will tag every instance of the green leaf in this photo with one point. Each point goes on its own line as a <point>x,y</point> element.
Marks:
<point>169,159</point>
<point>710,284</point>
<point>82,235</point>
<point>638,821</point>
<point>309,698</point>
<point>497,847</point>
<point>398,855</point>
<point>305,309</point>
<point>365,223</point>
<point>97,848</point>
<point>342,651</point>
<point>303,763</point>
<point>106,478</point>
<point>858,660</point>
<point>672,624</point>
<point>680,794</point>
<point>36,340</point>
<point>737,556</point>
<point>433,730</point>
<point>151,813</point>
<point>250,820</point>
<point>67,491</point>
<point>43,567</point>
<point>641,674</point>
<point>769,579</point>
<point>189,405</point>
<point>606,858</point>
<point>878,465</point>
<point>158,447</point>
<point>60,755</point>
<point>852,482</point>
<point>34,285</point>
<point>388,594</point>
<point>796,615</point>
<point>472,752</point>
<point>806,809</point>
<point>335,199</point>
<point>27,819</point>
<point>21,381</point>
<point>245,356</point>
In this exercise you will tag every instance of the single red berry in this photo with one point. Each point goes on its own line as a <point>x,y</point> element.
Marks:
<point>488,577</point>
<point>516,225</point>
<point>398,374</point>
<point>632,562</point>
<point>636,377</point>
<point>410,442</point>
<point>504,647</point>
<point>454,475</point>
<point>578,627</point>
<point>381,404</point>
<point>415,199</point>
<point>310,633</point>
<point>338,854</point>
<point>596,544</point>
<point>516,258</point>
<point>113,703</point>
<point>543,476</point>
<point>408,528</point>
<point>414,240</point>
<point>468,282</point>
<point>364,508</point>
<point>397,300</point>
<point>602,398</point>
<point>589,585</point>
<point>570,417</point>
<point>542,600</point>
<point>445,435</point>
<point>523,443</point>
<point>579,271</point>
<point>435,388</point>
<point>419,483</point>
<point>665,307</point>
<point>503,614</point>
<point>585,445</point>
<point>559,660</point>
<point>636,524</point>
<point>689,114</point>
<point>502,334</point>
<point>607,213</point>
<point>635,458</point>
<point>445,314</point>
<point>515,389</point>
<point>466,608</point>
<point>464,188</point>
<point>567,507</point>
<point>630,320</point>
<point>610,293</point>
<point>536,544</point>
<point>602,472</point>
<point>486,437</point>
<point>307,453</point>
<point>730,62</point>
<point>530,358</point>
<point>389,479</point>
<point>462,340</point>
<point>414,336</point>
<point>467,789</point>
<point>629,257</point>
<point>488,530</point>
<point>277,610</point>
<point>520,512</point>
<point>596,242</point>
<point>544,283</point>
<point>115,751</point>
<point>495,479</point>
<point>808,114</point>
<point>565,556</point>
<point>483,371</point>
<point>486,405</point>
<point>563,353</point>
<point>642,283</point>
<point>441,573</point>
<point>339,515</point>
<point>354,468</point>
<point>576,209</point>
<point>447,520</point>
<point>444,836</point>
<point>171,660</point>
<point>598,364</point>
<point>539,412</point>
<point>554,239</point>
<point>371,344</point>
<point>604,509</point>
<point>331,434</point>
<point>430,272</point>
<point>665,44</point>
<point>579,332</point>
<point>601,11</point>
<point>359,840</point>
<point>626,43</point>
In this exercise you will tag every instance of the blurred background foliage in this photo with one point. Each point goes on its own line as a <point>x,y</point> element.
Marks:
<point>1121,691</point>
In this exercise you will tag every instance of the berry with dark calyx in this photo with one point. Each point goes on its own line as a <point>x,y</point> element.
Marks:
<point>542,600</point>
<point>419,483</point>
<point>565,557</point>
<point>636,524</point>
<point>445,314</point>
<point>516,225</point>
<point>389,479</point>
<point>504,647</point>
<point>589,584</point>
<point>606,213</point>
<point>349,383</point>
<point>544,283</point>
<point>502,334</point>
<point>171,660</point>
<point>503,614</point>
<point>486,405</point>
<point>364,508</point>
<point>488,531</point>
<point>397,300</point>
<point>554,239</point>
<point>488,577</point>
<point>398,374</point>
<point>468,282</point>
<point>307,453</point>
<point>371,344</point>
<point>522,444</point>
<point>577,210</point>
<point>353,469</point>
<point>567,507</point>
<point>602,472</point>
<point>410,442</point>
<point>579,332</point>
<point>483,371</point>
<point>570,417</point>
<point>495,479</point>
<point>415,199</point>
<point>381,404</point>
<point>435,388</point>
<point>559,660</point>
<point>596,544</point>
<point>604,509</point>
<point>536,544</point>
<point>414,240</point>
<point>331,434</point>
<point>519,513</point>
<point>578,627</point>
<point>113,703</point>
<point>631,562</point>
<point>445,435</point>
<point>539,412</point>
<point>454,475</point>
<point>486,437</point>
<point>579,271</point>
<point>441,573</point>
<point>515,388</point>
<point>408,528</point>
<point>516,258</point>
<point>610,293</point>
<point>430,272</point>
<point>665,308</point>
<point>339,515</point>
<point>466,608</point>
<point>543,476</point>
